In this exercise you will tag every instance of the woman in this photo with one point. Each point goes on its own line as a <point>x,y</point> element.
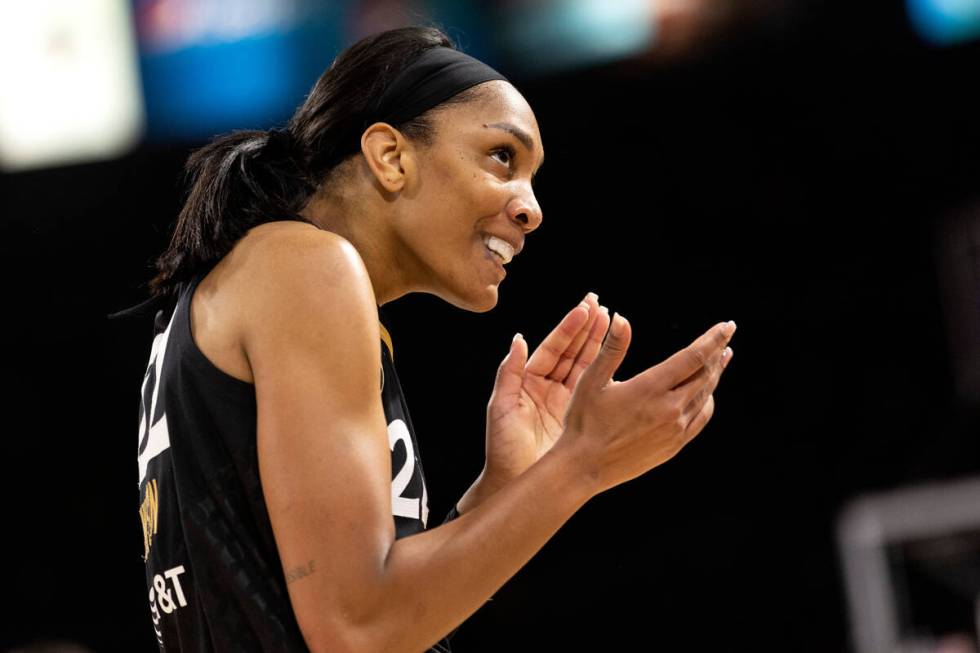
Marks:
<point>278,484</point>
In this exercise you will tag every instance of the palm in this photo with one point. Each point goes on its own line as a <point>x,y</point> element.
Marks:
<point>525,416</point>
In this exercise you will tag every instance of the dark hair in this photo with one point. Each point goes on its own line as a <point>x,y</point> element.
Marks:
<point>246,178</point>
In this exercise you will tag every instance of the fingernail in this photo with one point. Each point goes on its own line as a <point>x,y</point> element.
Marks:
<point>517,337</point>
<point>726,357</point>
<point>592,295</point>
<point>730,327</point>
<point>604,309</point>
<point>617,325</point>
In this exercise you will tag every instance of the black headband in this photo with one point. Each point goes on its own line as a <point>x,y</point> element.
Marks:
<point>437,75</point>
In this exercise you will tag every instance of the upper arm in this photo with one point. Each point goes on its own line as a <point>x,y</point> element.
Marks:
<point>312,341</point>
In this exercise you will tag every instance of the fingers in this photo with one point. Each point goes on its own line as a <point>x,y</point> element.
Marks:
<point>701,419</point>
<point>557,345</point>
<point>510,373</point>
<point>690,360</point>
<point>613,351</point>
<point>591,349</point>
<point>699,389</point>
<point>574,351</point>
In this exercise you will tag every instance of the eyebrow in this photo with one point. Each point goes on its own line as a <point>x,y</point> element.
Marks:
<point>518,133</point>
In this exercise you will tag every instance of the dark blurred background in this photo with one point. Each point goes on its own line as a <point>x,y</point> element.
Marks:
<point>808,169</point>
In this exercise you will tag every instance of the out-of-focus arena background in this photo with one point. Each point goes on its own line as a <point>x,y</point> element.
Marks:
<point>810,169</point>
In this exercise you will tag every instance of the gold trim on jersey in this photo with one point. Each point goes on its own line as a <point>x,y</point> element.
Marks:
<point>386,337</point>
<point>148,515</point>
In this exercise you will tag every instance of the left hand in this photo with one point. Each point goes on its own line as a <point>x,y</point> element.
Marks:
<point>526,412</point>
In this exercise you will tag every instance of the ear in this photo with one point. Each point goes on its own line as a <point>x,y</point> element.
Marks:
<point>388,154</point>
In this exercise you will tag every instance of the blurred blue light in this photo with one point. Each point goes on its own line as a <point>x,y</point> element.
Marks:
<point>945,22</point>
<point>552,34</point>
<point>209,66</point>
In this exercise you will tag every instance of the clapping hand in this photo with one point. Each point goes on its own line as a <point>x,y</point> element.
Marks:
<point>526,412</point>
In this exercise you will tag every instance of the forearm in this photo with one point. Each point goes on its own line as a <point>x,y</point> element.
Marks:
<point>434,580</point>
<point>482,489</point>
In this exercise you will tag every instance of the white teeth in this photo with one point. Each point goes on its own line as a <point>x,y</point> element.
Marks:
<point>501,248</point>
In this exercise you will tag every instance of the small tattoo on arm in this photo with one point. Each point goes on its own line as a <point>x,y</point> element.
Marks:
<point>296,573</point>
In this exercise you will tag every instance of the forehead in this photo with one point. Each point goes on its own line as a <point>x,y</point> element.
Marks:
<point>496,103</point>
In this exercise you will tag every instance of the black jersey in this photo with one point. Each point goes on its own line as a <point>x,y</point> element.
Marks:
<point>213,574</point>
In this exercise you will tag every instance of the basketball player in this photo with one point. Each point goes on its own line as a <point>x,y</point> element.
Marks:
<point>283,502</point>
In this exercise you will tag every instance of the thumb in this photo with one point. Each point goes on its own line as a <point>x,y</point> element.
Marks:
<point>613,351</point>
<point>510,374</point>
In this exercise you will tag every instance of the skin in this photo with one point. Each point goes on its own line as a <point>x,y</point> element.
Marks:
<point>400,206</point>
<point>293,309</point>
<point>417,213</point>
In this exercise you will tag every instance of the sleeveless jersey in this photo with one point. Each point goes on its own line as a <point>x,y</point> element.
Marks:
<point>214,578</point>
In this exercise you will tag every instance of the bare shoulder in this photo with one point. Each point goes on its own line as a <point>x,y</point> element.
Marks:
<point>270,236</point>
<point>277,251</point>
<point>304,295</point>
<point>282,281</point>
<point>295,269</point>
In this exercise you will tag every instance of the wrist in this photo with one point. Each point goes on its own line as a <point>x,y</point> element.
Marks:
<point>482,488</point>
<point>582,463</point>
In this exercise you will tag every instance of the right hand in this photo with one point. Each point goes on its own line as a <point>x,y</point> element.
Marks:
<point>620,430</point>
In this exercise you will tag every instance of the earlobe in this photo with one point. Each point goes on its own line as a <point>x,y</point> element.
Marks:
<point>384,149</point>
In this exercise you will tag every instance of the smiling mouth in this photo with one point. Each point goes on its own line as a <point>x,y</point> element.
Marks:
<point>496,260</point>
<point>501,249</point>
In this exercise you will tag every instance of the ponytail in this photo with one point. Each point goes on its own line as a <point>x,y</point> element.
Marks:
<point>247,178</point>
<point>237,181</point>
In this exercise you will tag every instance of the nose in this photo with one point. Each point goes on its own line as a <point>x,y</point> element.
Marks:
<point>525,210</point>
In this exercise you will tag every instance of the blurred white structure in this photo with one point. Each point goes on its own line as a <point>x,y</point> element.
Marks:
<point>868,527</point>
<point>69,83</point>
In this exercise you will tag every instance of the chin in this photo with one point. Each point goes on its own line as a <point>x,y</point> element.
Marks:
<point>479,302</point>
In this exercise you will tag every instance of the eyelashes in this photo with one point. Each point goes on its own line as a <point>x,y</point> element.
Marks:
<point>505,155</point>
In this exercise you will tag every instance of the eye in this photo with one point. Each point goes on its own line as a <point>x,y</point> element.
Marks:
<point>504,155</point>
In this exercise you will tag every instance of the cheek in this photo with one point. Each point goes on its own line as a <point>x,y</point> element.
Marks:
<point>461,195</point>
<point>464,199</point>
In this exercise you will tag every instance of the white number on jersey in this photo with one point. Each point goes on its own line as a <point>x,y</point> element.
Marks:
<point>413,508</point>
<point>154,438</point>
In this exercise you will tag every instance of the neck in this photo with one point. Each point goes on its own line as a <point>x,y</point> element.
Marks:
<point>364,224</point>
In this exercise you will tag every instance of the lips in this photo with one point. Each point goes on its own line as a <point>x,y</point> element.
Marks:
<point>502,248</point>
<point>495,261</point>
